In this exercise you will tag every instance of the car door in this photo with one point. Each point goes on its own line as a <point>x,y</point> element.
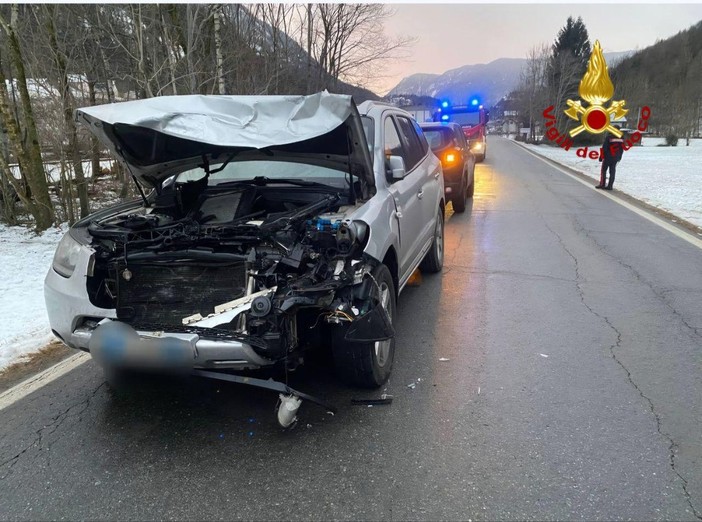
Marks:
<point>428,171</point>
<point>406,193</point>
<point>467,154</point>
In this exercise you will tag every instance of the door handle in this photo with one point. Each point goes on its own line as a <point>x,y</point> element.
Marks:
<point>436,175</point>
<point>420,194</point>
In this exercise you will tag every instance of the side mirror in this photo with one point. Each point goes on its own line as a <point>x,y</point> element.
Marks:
<point>396,168</point>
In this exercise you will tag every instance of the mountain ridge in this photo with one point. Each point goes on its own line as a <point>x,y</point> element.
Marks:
<point>490,81</point>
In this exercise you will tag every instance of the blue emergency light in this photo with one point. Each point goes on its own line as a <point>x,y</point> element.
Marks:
<point>474,101</point>
<point>445,117</point>
<point>444,104</point>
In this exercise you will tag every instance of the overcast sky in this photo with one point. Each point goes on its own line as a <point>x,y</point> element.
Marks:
<point>452,35</point>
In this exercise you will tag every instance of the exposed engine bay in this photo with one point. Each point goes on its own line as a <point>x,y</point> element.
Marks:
<point>256,261</point>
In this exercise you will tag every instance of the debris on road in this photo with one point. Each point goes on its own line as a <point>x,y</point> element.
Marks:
<point>444,359</point>
<point>543,355</point>
<point>384,399</point>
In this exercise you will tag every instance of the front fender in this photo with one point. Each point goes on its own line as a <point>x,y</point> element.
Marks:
<point>380,215</point>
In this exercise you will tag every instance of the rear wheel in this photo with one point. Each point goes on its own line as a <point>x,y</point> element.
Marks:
<point>368,365</point>
<point>434,260</point>
<point>459,203</point>
<point>471,188</point>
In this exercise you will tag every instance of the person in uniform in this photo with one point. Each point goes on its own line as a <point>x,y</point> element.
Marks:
<point>612,150</point>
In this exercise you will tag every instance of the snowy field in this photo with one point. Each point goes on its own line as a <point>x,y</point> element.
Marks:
<point>669,178</point>
<point>666,177</point>
<point>24,261</point>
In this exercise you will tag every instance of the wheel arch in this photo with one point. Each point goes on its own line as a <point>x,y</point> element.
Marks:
<point>390,260</point>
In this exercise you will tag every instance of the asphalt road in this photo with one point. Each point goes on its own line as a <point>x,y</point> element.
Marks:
<point>573,390</point>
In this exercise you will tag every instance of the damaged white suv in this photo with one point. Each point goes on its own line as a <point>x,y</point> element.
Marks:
<point>268,225</point>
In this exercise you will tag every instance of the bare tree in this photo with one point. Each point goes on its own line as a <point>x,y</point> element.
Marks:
<point>563,74</point>
<point>68,103</point>
<point>28,152</point>
<point>533,85</point>
<point>350,43</point>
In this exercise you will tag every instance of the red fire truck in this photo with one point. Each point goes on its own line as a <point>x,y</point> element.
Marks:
<point>473,118</point>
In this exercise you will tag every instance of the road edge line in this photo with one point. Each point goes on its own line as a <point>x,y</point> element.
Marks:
<point>41,379</point>
<point>677,231</point>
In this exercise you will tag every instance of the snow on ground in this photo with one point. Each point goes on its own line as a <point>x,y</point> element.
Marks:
<point>24,261</point>
<point>669,178</point>
<point>53,169</point>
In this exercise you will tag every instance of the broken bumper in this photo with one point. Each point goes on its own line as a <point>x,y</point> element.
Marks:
<point>113,343</point>
<point>75,320</point>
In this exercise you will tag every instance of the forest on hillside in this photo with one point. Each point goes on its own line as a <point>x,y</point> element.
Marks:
<point>666,77</point>
<point>55,58</point>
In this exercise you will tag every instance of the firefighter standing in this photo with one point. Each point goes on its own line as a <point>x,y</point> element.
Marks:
<point>612,150</point>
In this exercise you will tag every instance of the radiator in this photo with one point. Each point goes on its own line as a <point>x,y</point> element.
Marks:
<point>166,293</point>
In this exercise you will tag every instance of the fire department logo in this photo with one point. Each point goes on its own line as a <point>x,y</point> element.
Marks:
<point>596,88</point>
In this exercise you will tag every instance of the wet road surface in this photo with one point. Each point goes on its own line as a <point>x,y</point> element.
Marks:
<point>572,390</point>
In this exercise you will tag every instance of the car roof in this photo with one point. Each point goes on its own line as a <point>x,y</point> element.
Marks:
<point>440,125</point>
<point>372,106</point>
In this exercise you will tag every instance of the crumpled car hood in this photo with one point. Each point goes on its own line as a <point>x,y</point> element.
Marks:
<point>157,137</point>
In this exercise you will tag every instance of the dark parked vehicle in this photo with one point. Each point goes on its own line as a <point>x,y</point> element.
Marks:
<point>448,143</point>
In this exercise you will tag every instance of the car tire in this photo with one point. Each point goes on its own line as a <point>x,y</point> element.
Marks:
<point>433,262</point>
<point>459,204</point>
<point>367,365</point>
<point>471,188</point>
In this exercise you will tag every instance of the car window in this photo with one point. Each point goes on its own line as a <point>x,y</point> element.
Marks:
<point>246,170</point>
<point>422,138</point>
<point>438,138</point>
<point>369,131</point>
<point>467,119</point>
<point>392,143</point>
<point>460,137</point>
<point>410,141</point>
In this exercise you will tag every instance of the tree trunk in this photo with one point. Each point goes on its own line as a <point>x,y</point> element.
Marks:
<point>309,48</point>
<point>94,143</point>
<point>68,107</point>
<point>7,191</point>
<point>42,208</point>
<point>218,49</point>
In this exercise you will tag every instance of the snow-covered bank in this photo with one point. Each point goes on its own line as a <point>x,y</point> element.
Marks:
<point>24,260</point>
<point>669,178</point>
<point>53,169</point>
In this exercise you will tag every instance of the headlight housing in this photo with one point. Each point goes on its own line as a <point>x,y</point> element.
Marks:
<point>66,255</point>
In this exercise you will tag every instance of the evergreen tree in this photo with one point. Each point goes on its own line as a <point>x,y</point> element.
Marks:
<point>568,63</point>
<point>573,38</point>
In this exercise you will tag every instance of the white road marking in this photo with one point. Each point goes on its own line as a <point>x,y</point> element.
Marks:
<point>41,379</point>
<point>682,234</point>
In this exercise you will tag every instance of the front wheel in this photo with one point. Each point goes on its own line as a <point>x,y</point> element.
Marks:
<point>368,364</point>
<point>434,260</point>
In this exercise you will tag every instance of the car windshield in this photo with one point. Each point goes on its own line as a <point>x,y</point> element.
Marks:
<point>466,118</point>
<point>368,130</point>
<point>438,138</point>
<point>281,170</point>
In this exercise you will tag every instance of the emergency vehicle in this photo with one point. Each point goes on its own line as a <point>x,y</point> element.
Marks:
<point>472,118</point>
